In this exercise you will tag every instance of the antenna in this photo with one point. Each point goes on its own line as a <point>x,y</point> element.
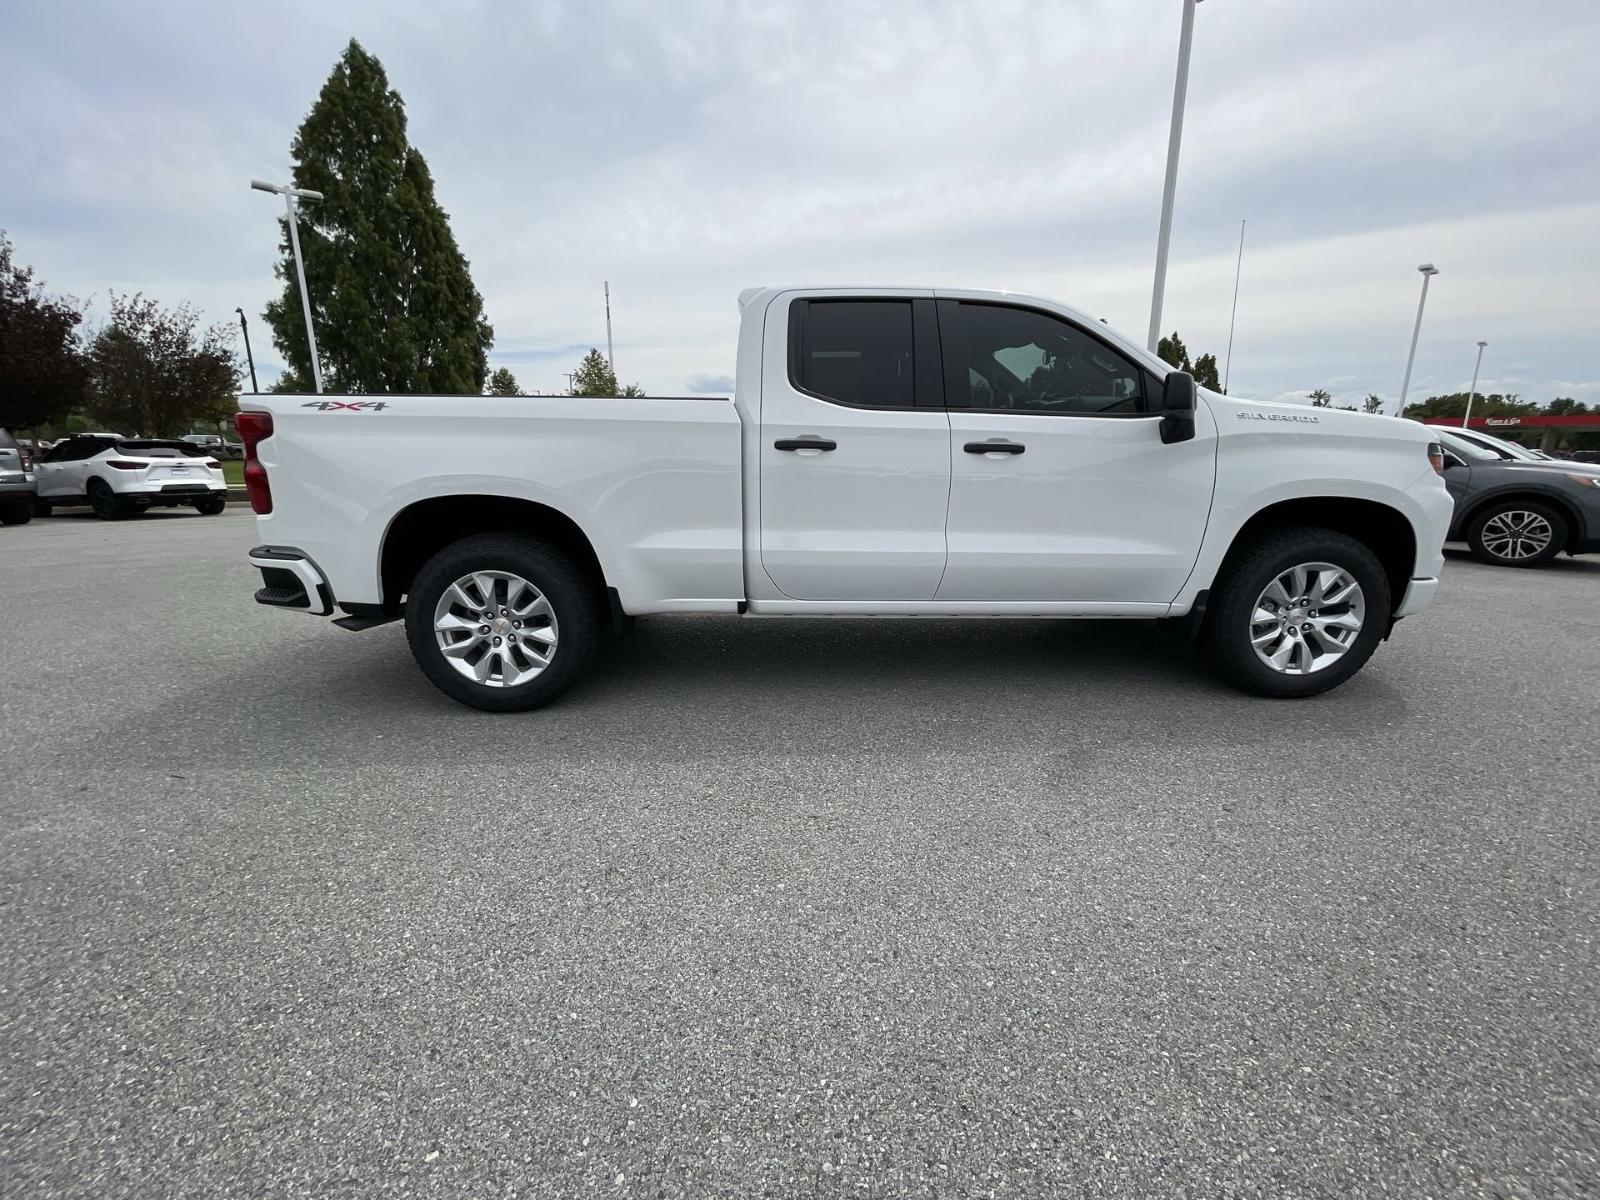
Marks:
<point>610,362</point>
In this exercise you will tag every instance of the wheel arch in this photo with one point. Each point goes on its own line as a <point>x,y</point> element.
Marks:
<point>1382,528</point>
<point>1576,527</point>
<point>421,529</point>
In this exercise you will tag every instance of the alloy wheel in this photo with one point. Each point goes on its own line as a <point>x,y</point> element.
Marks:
<point>495,628</point>
<point>1516,534</point>
<point>1306,618</point>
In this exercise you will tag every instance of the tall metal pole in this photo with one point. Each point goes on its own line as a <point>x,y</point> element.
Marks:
<point>305,296</point>
<point>1473,393</point>
<point>1228,362</point>
<point>1180,89</point>
<point>1428,272</point>
<point>610,362</point>
<point>249,358</point>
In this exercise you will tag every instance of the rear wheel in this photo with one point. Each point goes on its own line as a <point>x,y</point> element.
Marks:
<point>1517,533</point>
<point>16,514</point>
<point>107,505</point>
<point>503,622</point>
<point>210,506</point>
<point>1298,613</point>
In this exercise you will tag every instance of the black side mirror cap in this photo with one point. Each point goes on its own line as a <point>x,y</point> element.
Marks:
<point>1177,407</point>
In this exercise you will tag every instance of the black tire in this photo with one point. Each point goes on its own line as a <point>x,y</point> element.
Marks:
<point>1479,545</point>
<point>211,505</point>
<point>107,505</point>
<point>572,594</point>
<point>16,514</point>
<point>1226,635</point>
<point>42,508</point>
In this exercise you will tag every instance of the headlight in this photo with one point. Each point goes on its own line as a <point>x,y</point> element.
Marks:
<point>1586,480</point>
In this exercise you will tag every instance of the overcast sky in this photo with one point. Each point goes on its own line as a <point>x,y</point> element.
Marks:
<point>685,150</point>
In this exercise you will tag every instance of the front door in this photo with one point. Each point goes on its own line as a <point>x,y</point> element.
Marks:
<point>1061,488</point>
<point>855,449</point>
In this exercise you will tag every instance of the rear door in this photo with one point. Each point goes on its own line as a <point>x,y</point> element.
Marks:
<point>60,471</point>
<point>1061,488</point>
<point>855,448</point>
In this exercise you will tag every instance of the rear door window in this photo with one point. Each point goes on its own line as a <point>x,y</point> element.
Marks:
<point>857,352</point>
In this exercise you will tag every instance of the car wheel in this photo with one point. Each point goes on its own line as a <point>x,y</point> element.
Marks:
<point>211,505</point>
<point>42,508</point>
<point>16,514</point>
<point>1298,613</point>
<point>1517,533</point>
<point>107,505</point>
<point>503,622</point>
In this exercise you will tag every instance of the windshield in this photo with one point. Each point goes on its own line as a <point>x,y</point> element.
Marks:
<point>1507,449</point>
<point>1466,447</point>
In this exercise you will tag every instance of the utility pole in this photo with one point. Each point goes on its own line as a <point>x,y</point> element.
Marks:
<point>610,362</point>
<point>249,358</point>
<point>1228,364</point>
<point>1180,90</point>
<point>1428,272</point>
<point>290,195</point>
<point>569,375</point>
<point>1472,394</point>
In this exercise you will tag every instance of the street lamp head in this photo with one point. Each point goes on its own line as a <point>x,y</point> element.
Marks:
<point>261,185</point>
<point>1428,269</point>
<point>284,189</point>
<point>1481,345</point>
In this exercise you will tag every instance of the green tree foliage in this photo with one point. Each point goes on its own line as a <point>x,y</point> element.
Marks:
<point>1566,406</point>
<point>1320,399</point>
<point>594,377</point>
<point>1455,405</point>
<point>1174,353</point>
<point>503,383</point>
<point>393,301</point>
<point>1373,403</point>
<point>42,375</point>
<point>154,371</point>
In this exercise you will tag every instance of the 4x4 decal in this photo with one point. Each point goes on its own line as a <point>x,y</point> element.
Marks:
<point>346,405</point>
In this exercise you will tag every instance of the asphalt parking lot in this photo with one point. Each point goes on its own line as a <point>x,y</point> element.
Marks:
<point>785,908</point>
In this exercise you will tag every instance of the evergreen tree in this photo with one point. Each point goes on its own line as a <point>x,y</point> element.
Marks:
<point>1205,372</point>
<point>392,298</point>
<point>594,377</point>
<point>1174,353</point>
<point>503,383</point>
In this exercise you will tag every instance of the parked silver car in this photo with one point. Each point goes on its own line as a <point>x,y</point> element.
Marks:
<point>18,490</point>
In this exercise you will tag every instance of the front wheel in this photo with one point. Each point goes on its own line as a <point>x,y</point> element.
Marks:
<point>502,621</point>
<point>1298,613</point>
<point>1517,533</point>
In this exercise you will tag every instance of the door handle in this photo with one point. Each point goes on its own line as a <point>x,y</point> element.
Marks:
<point>805,443</point>
<point>994,448</point>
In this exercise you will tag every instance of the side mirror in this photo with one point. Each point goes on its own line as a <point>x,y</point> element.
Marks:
<point>1177,407</point>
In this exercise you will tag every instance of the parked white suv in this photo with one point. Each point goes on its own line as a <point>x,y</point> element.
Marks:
<point>120,476</point>
<point>888,452</point>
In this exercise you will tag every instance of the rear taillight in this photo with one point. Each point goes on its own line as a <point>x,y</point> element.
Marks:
<point>213,463</point>
<point>253,427</point>
<point>123,464</point>
<point>1436,457</point>
<point>27,461</point>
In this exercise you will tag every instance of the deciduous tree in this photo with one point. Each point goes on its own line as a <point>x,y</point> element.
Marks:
<point>154,371</point>
<point>42,375</point>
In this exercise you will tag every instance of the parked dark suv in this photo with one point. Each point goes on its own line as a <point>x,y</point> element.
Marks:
<point>1515,511</point>
<point>17,487</point>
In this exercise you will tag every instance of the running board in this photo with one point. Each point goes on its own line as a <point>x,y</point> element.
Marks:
<point>359,623</point>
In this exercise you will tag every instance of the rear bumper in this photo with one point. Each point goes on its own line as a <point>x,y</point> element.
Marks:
<point>17,494</point>
<point>291,580</point>
<point>1419,594</point>
<point>199,487</point>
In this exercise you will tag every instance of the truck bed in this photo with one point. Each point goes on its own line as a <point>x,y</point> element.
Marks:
<point>654,482</point>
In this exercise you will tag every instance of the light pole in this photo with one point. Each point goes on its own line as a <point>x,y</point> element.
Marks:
<point>1227,368</point>
<point>1180,89</point>
<point>290,195</point>
<point>1473,393</point>
<point>610,362</point>
<point>249,358</point>
<point>1428,272</point>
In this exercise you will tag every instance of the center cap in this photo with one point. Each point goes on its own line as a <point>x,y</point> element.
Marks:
<point>502,626</point>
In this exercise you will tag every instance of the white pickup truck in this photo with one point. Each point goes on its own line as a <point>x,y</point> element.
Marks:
<point>887,452</point>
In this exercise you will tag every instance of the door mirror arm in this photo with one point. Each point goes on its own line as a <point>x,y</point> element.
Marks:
<point>1177,407</point>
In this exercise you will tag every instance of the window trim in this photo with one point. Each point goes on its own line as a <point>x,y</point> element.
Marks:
<point>927,378</point>
<point>955,365</point>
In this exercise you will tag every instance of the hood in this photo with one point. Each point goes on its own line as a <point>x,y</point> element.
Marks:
<point>1234,413</point>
